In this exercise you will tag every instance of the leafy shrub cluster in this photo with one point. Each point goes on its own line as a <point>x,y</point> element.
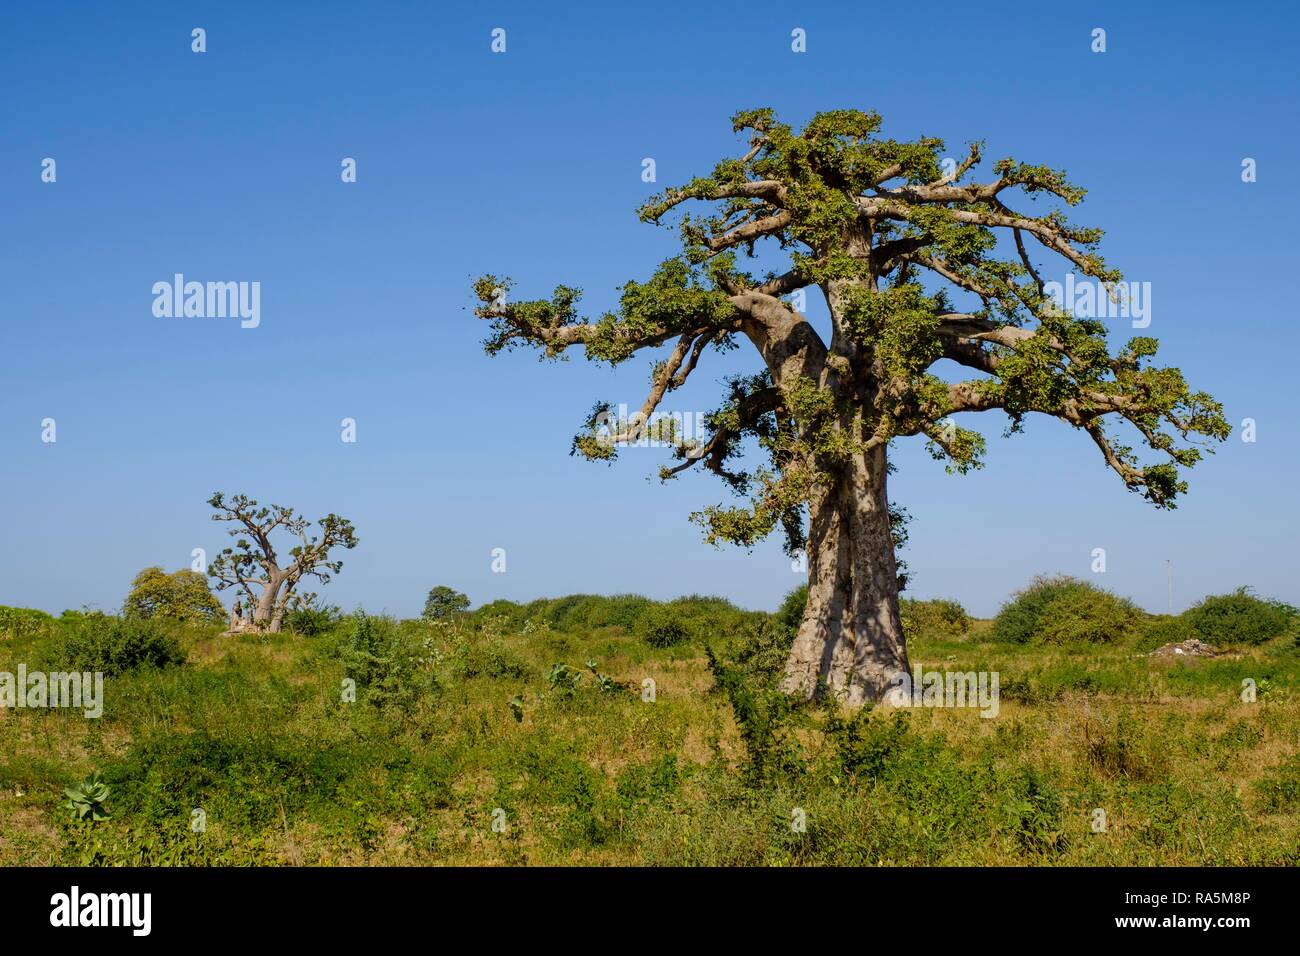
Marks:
<point>1064,610</point>
<point>747,669</point>
<point>1238,618</point>
<point>24,622</point>
<point>113,645</point>
<point>935,616</point>
<point>312,618</point>
<point>391,664</point>
<point>661,624</point>
<point>181,596</point>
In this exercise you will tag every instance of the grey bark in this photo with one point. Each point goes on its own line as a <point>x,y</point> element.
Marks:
<point>850,643</point>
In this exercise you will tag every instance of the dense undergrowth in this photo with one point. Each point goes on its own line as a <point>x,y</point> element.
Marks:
<point>618,730</point>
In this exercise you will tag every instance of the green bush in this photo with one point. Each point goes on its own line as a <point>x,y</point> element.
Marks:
<point>1162,629</point>
<point>790,613</point>
<point>392,665</point>
<point>24,622</point>
<point>662,626</point>
<point>114,645</point>
<point>311,619</point>
<point>936,616</point>
<point>488,659</point>
<point>1239,618</point>
<point>1064,610</point>
<point>1280,790</point>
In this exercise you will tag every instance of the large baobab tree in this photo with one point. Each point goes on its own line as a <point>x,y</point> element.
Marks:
<point>267,579</point>
<point>889,235</point>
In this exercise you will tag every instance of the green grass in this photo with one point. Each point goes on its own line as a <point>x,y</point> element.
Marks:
<point>255,733</point>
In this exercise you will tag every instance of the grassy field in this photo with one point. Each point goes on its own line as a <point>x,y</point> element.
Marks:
<point>462,724</point>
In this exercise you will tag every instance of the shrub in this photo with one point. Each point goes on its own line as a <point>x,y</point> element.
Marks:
<point>24,622</point>
<point>790,613</point>
<point>1163,629</point>
<point>662,626</point>
<point>1065,610</point>
<point>1280,791</point>
<point>181,596</point>
<point>113,645</point>
<point>488,659</point>
<point>392,666</point>
<point>937,616</point>
<point>311,619</point>
<point>1239,618</point>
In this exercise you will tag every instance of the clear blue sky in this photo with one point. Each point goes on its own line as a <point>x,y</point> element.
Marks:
<point>225,166</point>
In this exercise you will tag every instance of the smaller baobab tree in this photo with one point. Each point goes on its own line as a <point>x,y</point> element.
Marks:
<point>268,580</point>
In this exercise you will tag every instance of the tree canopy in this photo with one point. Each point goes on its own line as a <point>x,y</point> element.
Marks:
<point>892,239</point>
<point>180,596</point>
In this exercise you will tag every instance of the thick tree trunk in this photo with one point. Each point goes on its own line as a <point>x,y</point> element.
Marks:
<point>850,643</point>
<point>281,607</point>
<point>264,613</point>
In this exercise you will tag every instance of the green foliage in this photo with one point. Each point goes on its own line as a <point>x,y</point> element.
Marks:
<point>1239,618</point>
<point>747,670</point>
<point>253,733</point>
<point>85,801</point>
<point>564,680</point>
<point>606,684</point>
<point>491,658</point>
<point>114,645</point>
<point>22,622</point>
<point>663,626</point>
<point>790,614</point>
<point>1035,809</point>
<point>312,618</point>
<point>1161,629</point>
<point>180,596</point>
<point>935,616</point>
<point>1279,791</point>
<point>890,236</point>
<point>444,603</point>
<point>1066,611</point>
<point>392,665</point>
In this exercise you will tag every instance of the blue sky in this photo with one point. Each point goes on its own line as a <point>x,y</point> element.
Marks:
<point>225,166</point>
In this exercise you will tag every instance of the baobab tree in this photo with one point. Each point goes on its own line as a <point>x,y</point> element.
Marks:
<point>889,235</point>
<point>267,580</point>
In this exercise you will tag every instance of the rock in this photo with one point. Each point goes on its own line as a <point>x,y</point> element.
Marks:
<point>1188,648</point>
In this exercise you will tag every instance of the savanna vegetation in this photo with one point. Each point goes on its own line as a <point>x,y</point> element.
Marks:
<point>620,730</point>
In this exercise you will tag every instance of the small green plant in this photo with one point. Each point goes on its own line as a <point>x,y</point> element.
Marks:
<point>564,678</point>
<point>85,801</point>
<point>517,708</point>
<point>607,684</point>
